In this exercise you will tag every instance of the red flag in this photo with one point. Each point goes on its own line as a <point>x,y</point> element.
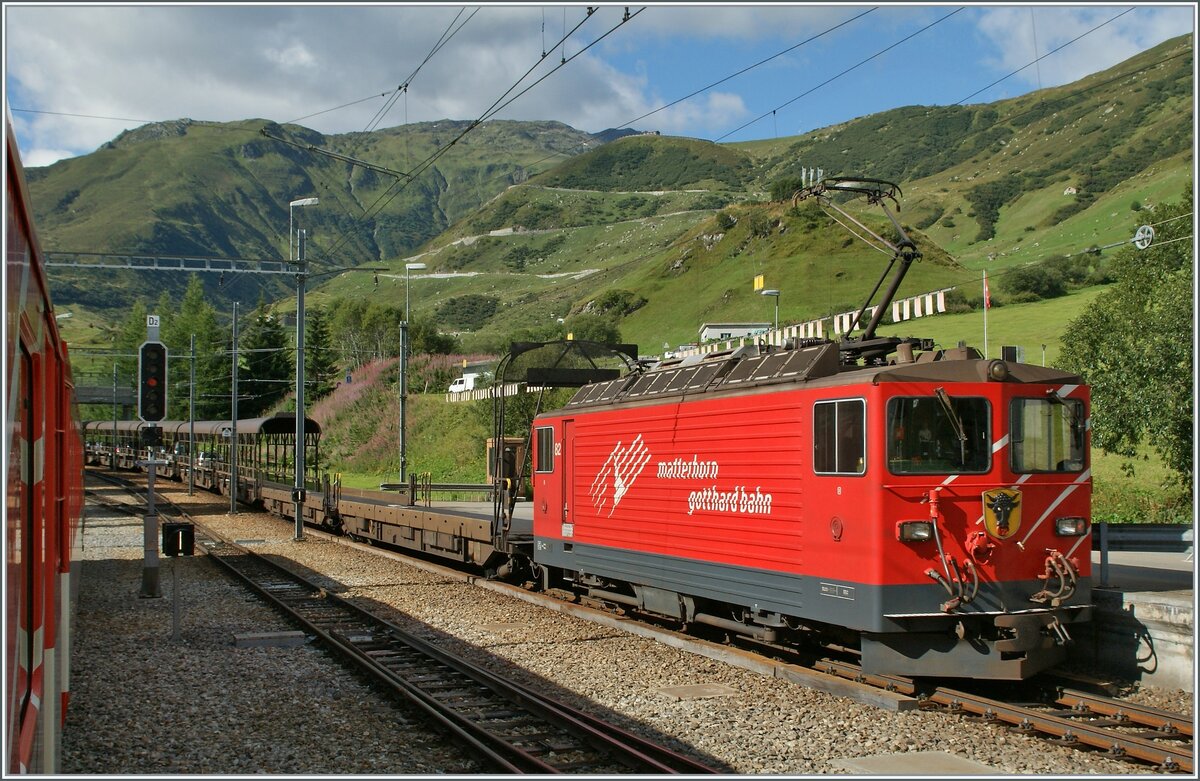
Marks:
<point>987,296</point>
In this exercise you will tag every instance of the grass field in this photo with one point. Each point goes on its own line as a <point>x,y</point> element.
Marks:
<point>1025,325</point>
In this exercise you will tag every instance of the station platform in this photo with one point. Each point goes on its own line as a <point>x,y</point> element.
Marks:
<point>1143,624</point>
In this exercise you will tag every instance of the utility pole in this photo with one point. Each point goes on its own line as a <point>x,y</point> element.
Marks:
<point>192,423</point>
<point>114,438</point>
<point>403,396</point>
<point>408,269</point>
<point>233,434</point>
<point>298,486</point>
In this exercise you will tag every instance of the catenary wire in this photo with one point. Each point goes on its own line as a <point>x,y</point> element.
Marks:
<point>399,187</point>
<point>496,107</point>
<point>843,73</point>
<point>747,68</point>
<point>1044,56</point>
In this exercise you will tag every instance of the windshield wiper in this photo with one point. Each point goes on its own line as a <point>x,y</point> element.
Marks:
<point>955,421</point>
<point>1073,412</point>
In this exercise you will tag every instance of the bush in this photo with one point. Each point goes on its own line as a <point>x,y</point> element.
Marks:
<point>1075,270</point>
<point>725,221</point>
<point>468,312</point>
<point>1038,282</point>
<point>958,303</point>
<point>760,225</point>
<point>782,189</point>
<point>617,302</point>
<point>929,219</point>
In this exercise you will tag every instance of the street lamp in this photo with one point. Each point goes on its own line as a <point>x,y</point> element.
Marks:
<point>408,267</point>
<point>298,484</point>
<point>291,235</point>
<point>773,292</point>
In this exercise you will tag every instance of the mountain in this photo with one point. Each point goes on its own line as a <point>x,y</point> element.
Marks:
<point>521,224</point>
<point>222,189</point>
<point>687,224</point>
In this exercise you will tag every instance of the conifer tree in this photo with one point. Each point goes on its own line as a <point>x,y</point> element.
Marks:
<point>214,367</point>
<point>320,366</point>
<point>265,375</point>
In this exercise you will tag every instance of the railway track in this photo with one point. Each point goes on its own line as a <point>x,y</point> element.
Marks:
<point>1065,716</point>
<point>1068,717</point>
<point>512,728</point>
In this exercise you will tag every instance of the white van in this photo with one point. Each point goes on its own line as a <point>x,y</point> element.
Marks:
<point>464,383</point>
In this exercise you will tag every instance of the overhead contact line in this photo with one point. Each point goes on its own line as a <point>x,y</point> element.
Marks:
<point>491,111</point>
<point>843,73</point>
<point>1044,56</point>
<point>748,68</point>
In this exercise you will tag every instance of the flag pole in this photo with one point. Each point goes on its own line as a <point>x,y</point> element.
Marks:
<point>987,303</point>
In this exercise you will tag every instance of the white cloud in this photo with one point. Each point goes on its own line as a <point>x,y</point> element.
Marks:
<point>295,54</point>
<point>282,63</point>
<point>37,157</point>
<point>1012,31</point>
<point>713,111</point>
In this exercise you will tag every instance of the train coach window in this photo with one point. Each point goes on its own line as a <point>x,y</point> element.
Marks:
<point>839,442</point>
<point>938,435</point>
<point>1047,435</point>
<point>545,449</point>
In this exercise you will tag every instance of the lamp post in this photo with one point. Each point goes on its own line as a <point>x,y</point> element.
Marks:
<point>773,292</point>
<point>408,268</point>
<point>298,484</point>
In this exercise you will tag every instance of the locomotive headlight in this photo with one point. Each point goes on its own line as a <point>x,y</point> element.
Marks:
<point>1071,526</point>
<point>914,531</point>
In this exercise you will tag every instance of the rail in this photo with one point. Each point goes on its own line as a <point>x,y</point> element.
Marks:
<point>510,727</point>
<point>1069,718</point>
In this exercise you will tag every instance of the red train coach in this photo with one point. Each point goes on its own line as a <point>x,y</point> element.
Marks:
<point>43,495</point>
<point>934,513</point>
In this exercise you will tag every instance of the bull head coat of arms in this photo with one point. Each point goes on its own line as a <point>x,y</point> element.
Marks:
<point>1002,512</point>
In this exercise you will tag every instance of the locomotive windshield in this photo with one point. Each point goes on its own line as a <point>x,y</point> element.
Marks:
<point>938,435</point>
<point>1047,435</point>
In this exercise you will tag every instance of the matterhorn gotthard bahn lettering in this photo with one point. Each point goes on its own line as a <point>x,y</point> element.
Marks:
<point>626,463</point>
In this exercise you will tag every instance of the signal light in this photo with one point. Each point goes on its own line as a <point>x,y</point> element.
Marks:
<point>152,381</point>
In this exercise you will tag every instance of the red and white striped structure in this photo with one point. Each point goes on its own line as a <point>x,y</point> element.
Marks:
<point>43,496</point>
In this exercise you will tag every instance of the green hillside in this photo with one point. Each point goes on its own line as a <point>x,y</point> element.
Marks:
<point>222,189</point>
<point>985,184</point>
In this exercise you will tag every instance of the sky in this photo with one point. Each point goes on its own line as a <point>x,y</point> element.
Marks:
<point>77,76</point>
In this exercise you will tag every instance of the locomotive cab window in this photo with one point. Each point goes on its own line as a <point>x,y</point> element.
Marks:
<point>938,434</point>
<point>1047,435</point>
<point>545,449</point>
<point>839,438</point>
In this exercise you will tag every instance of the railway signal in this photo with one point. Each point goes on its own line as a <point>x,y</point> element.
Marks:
<point>152,381</point>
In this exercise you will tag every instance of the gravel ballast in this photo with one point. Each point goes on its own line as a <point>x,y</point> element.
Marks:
<point>144,702</point>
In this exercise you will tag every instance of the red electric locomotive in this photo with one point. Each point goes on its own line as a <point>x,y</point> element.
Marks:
<point>44,496</point>
<point>927,507</point>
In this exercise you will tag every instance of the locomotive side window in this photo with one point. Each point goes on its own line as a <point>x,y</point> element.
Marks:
<point>1047,435</point>
<point>839,439</point>
<point>938,434</point>
<point>545,449</point>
